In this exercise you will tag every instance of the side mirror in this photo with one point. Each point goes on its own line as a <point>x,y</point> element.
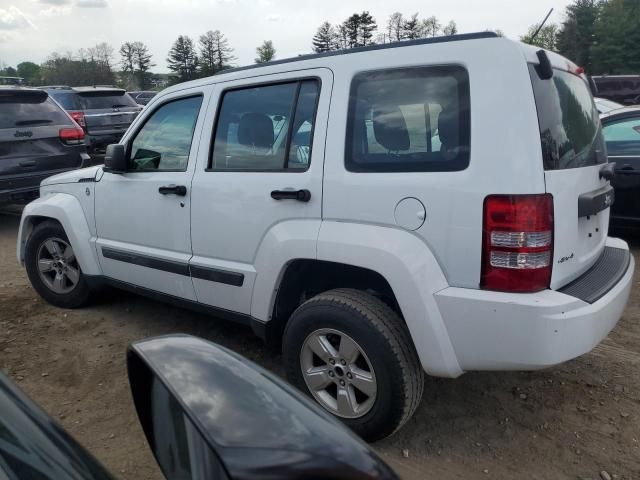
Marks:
<point>115,159</point>
<point>206,409</point>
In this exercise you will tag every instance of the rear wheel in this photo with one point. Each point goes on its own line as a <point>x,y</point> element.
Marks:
<point>354,356</point>
<point>52,267</point>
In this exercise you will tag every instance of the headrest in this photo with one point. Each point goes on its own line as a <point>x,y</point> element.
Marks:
<point>256,130</point>
<point>390,128</point>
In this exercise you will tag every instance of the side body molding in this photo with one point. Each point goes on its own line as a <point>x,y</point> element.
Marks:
<point>66,209</point>
<point>409,266</point>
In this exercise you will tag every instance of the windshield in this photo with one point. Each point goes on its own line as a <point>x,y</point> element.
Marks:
<point>570,130</point>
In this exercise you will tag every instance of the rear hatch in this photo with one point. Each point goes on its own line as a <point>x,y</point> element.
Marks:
<point>107,111</point>
<point>30,143</point>
<point>574,155</point>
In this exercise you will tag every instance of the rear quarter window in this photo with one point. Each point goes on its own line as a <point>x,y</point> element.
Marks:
<point>35,111</point>
<point>409,120</point>
<point>570,130</point>
<point>68,100</point>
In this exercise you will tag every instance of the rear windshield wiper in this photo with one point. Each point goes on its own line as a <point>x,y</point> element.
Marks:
<point>118,105</point>
<point>32,122</point>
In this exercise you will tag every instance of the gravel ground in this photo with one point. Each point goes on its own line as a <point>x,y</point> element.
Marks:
<point>568,422</point>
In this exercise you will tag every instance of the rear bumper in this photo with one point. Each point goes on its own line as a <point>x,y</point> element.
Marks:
<point>502,331</point>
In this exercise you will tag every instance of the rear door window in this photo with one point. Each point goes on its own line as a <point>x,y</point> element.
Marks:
<point>409,120</point>
<point>30,111</point>
<point>570,130</point>
<point>106,100</point>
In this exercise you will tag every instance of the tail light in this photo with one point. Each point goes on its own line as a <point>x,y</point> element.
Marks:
<point>517,245</point>
<point>79,118</point>
<point>72,136</point>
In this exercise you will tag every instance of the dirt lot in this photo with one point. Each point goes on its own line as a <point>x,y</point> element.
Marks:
<point>569,422</point>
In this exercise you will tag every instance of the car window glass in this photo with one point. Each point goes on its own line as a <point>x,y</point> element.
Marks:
<point>252,130</point>
<point>101,101</point>
<point>164,142</point>
<point>68,100</point>
<point>414,119</point>
<point>31,111</point>
<point>623,137</point>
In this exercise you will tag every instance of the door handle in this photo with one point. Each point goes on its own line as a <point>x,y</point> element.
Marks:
<point>179,190</point>
<point>299,195</point>
<point>626,169</point>
<point>28,163</point>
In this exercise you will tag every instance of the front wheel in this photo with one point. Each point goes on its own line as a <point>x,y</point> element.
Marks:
<point>52,267</point>
<point>354,356</point>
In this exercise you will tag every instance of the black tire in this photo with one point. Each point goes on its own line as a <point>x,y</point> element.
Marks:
<point>385,340</point>
<point>80,293</point>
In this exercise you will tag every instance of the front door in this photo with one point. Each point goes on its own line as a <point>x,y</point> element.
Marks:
<point>142,215</point>
<point>261,179</point>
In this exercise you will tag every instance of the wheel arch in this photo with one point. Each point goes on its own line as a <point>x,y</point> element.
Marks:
<point>66,210</point>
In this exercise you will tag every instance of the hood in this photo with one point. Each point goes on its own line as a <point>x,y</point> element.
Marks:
<point>74,176</point>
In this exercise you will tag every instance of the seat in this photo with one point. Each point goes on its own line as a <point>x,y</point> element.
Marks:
<point>256,130</point>
<point>390,128</point>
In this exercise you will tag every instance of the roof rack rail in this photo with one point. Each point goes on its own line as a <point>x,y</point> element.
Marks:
<point>377,46</point>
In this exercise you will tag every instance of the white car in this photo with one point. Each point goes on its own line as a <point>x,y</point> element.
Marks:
<point>435,206</point>
<point>605,106</point>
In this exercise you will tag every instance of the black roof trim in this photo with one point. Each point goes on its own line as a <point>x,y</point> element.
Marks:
<point>383,46</point>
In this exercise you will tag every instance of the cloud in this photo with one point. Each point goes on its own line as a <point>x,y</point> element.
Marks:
<point>13,19</point>
<point>55,2</point>
<point>54,11</point>
<point>92,3</point>
<point>274,17</point>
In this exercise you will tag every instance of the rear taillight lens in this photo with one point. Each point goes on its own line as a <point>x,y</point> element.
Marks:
<point>72,136</point>
<point>517,243</point>
<point>79,118</point>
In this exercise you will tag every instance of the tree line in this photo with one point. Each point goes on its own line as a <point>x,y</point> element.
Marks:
<point>603,36</point>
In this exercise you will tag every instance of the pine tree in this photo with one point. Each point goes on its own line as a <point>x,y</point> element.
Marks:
<point>183,59</point>
<point>411,28</point>
<point>142,62</point>
<point>325,38</point>
<point>127,52</point>
<point>350,30</point>
<point>366,28</point>
<point>266,52</point>
<point>215,53</point>
<point>576,36</point>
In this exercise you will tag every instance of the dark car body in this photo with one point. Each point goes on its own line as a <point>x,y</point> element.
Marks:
<point>207,413</point>
<point>37,139</point>
<point>624,89</point>
<point>104,113</point>
<point>143,97</point>
<point>621,129</point>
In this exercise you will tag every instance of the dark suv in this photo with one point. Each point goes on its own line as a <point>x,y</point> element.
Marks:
<point>37,139</point>
<point>104,113</point>
<point>143,97</point>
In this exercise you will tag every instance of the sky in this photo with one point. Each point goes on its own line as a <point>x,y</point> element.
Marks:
<point>33,29</point>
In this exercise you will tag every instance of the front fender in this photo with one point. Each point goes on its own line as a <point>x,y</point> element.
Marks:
<point>67,210</point>
<point>413,273</point>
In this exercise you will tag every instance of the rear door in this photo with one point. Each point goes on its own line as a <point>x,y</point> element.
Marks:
<point>573,152</point>
<point>108,111</point>
<point>30,142</point>
<point>622,136</point>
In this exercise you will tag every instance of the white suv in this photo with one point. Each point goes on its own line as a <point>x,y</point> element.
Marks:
<point>431,206</point>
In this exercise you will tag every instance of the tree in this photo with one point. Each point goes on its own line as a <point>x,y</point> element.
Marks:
<point>142,64</point>
<point>395,27</point>
<point>101,53</point>
<point>266,52</point>
<point>350,30</point>
<point>215,53</point>
<point>450,29</point>
<point>30,72</point>
<point>127,57</point>
<point>546,38</point>
<point>411,28</point>
<point>617,35</point>
<point>183,59</point>
<point>366,28</point>
<point>430,27</point>
<point>325,38</point>
<point>576,36</point>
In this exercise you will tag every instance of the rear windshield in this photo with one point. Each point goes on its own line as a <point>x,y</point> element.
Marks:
<point>31,111</point>
<point>570,130</point>
<point>68,100</point>
<point>106,100</point>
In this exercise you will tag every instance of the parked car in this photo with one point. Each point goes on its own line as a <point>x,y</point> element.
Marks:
<point>604,106</point>
<point>340,205</point>
<point>143,97</point>
<point>623,89</point>
<point>103,112</point>
<point>207,413</point>
<point>37,139</point>
<point>621,130</point>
